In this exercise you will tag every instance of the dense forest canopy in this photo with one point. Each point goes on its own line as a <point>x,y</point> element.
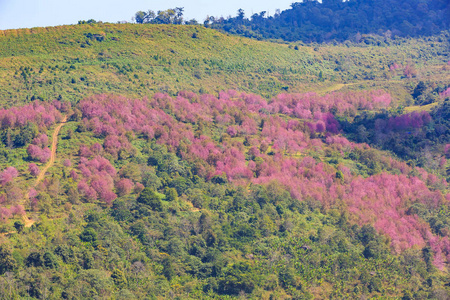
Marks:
<point>198,196</point>
<point>342,20</point>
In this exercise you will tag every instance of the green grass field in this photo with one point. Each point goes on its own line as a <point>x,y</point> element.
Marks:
<point>70,62</point>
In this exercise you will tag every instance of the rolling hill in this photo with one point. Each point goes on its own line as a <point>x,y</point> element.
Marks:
<point>163,161</point>
<point>69,62</point>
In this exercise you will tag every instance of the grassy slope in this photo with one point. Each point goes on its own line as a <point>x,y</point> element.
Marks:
<point>137,60</point>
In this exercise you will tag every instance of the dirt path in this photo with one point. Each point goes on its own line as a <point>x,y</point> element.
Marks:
<point>53,154</point>
<point>338,86</point>
<point>28,222</point>
<point>333,88</point>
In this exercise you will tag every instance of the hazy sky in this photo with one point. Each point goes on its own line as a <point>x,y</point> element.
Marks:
<point>37,13</point>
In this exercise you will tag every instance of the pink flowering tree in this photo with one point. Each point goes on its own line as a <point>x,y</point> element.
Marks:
<point>33,169</point>
<point>7,175</point>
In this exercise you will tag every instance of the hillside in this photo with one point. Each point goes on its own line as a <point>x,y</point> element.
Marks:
<point>70,62</point>
<point>152,161</point>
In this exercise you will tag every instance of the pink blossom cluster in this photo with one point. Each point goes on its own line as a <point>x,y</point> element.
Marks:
<point>42,114</point>
<point>113,116</point>
<point>447,149</point>
<point>98,179</point>
<point>445,93</point>
<point>7,175</point>
<point>7,213</point>
<point>124,186</point>
<point>394,67</point>
<point>38,153</point>
<point>301,105</point>
<point>34,169</point>
<point>40,141</point>
<point>38,150</point>
<point>407,121</point>
<point>381,200</point>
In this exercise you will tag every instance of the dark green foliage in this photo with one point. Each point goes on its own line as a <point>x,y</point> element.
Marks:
<point>419,89</point>
<point>315,21</point>
<point>171,194</point>
<point>66,253</point>
<point>245,232</point>
<point>90,21</point>
<point>169,16</point>
<point>374,250</point>
<point>119,278</point>
<point>34,260</point>
<point>89,235</point>
<point>139,229</point>
<point>420,146</point>
<point>25,135</point>
<point>120,211</point>
<point>7,262</point>
<point>95,282</point>
<point>428,257</point>
<point>238,277</point>
<point>168,269</point>
<point>367,234</point>
<point>340,176</point>
<point>179,184</point>
<point>286,277</point>
<point>219,179</point>
<point>19,137</point>
<point>150,198</point>
<point>50,260</point>
<point>19,226</point>
<point>87,261</point>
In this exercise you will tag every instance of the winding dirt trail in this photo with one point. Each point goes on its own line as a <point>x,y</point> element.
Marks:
<point>28,222</point>
<point>53,154</point>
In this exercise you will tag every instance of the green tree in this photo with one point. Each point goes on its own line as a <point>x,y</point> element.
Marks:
<point>50,260</point>
<point>150,198</point>
<point>7,262</point>
<point>120,211</point>
<point>239,277</point>
<point>88,260</point>
<point>286,276</point>
<point>339,176</point>
<point>19,226</point>
<point>419,89</point>
<point>26,134</point>
<point>34,259</point>
<point>119,278</point>
<point>139,17</point>
<point>168,268</point>
<point>88,235</point>
<point>171,194</point>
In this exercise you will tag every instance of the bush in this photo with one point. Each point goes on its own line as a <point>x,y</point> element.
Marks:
<point>150,198</point>
<point>171,194</point>
<point>88,235</point>
<point>240,277</point>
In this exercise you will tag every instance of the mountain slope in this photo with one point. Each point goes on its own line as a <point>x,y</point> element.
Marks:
<point>71,61</point>
<point>216,196</point>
